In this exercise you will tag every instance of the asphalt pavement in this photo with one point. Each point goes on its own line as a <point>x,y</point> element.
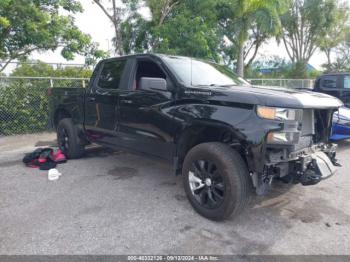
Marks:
<point>113,202</point>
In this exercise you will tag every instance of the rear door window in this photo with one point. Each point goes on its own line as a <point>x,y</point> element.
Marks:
<point>329,82</point>
<point>111,74</point>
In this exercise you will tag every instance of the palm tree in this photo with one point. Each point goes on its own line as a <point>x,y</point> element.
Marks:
<point>241,18</point>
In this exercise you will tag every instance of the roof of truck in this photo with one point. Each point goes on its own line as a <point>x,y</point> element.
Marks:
<point>149,54</point>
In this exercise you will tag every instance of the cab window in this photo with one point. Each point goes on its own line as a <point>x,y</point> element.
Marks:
<point>111,74</point>
<point>347,82</point>
<point>329,82</point>
<point>147,68</point>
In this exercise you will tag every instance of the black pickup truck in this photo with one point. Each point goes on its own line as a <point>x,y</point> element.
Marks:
<point>223,135</point>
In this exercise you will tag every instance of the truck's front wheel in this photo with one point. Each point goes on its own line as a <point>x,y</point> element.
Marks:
<point>68,139</point>
<point>216,180</point>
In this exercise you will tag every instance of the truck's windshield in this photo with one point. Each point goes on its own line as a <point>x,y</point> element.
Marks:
<point>194,72</point>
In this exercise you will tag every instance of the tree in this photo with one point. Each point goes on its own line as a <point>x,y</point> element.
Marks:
<point>336,32</point>
<point>342,58</point>
<point>245,25</point>
<point>198,28</point>
<point>37,25</point>
<point>190,30</point>
<point>160,9</point>
<point>186,27</point>
<point>116,11</point>
<point>41,69</point>
<point>304,25</point>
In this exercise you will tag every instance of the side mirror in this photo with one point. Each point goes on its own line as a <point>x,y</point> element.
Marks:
<point>151,83</point>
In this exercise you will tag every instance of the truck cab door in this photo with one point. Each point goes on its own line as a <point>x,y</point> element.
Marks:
<point>345,93</point>
<point>144,124</point>
<point>101,101</point>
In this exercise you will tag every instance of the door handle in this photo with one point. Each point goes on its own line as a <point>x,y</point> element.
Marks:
<point>91,99</point>
<point>125,101</point>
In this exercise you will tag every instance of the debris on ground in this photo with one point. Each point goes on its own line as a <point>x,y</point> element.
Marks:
<point>53,174</point>
<point>44,158</point>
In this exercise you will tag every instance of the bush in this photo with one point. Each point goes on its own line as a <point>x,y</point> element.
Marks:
<point>23,107</point>
<point>24,102</point>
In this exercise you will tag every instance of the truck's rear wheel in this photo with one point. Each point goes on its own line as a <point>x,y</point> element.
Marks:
<point>216,180</point>
<point>68,139</point>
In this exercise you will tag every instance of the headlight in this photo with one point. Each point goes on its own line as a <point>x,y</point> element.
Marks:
<point>287,138</point>
<point>276,113</point>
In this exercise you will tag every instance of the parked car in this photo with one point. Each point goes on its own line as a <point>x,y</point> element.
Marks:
<point>341,124</point>
<point>223,135</point>
<point>338,85</point>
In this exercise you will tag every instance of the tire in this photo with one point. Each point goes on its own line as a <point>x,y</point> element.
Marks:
<point>68,139</point>
<point>223,172</point>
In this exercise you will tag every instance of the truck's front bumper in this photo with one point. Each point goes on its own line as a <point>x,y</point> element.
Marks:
<point>320,167</point>
<point>308,166</point>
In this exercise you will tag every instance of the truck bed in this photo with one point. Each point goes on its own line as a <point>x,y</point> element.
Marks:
<point>67,100</point>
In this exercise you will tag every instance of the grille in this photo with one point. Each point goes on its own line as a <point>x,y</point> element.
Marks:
<point>308,123</point>
<point>307,130</point>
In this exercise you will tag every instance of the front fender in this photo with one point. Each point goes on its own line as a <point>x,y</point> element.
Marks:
<point>245,128</point>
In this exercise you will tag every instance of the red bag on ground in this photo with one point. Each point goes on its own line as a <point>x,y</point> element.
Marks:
<point>44,158</point>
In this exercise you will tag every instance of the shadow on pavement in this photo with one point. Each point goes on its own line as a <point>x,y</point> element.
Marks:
<point>343,145</point>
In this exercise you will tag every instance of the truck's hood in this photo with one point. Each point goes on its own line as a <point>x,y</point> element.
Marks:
<point>272,96</point>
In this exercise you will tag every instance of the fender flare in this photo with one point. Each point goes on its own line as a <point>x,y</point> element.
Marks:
<point>196,132</point>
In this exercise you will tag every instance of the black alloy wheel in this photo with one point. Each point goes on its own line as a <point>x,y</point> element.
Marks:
<point>206,183</point>
<point>68,139</point>
<point>63,140</point>
<point>216,180</point>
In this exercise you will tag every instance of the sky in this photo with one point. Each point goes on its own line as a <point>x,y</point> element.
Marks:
<point>94,22</point>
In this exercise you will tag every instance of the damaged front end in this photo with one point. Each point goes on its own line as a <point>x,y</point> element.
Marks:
<point>299,151</point>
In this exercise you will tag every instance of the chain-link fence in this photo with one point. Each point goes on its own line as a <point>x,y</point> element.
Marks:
<point>24,102</point>
<point>288,83</point>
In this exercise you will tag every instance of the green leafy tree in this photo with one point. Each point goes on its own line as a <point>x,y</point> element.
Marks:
<point>185,27</point>
<point>342,57</point>
<point>115,11</point>
<point>225,29</point>
<point>161,9</point>
<point>190,30</point>
<point>304,26</point>
<point>337,31</point>
<point>41,69</point>
<point>245,25</point>
<point>38,25</point>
